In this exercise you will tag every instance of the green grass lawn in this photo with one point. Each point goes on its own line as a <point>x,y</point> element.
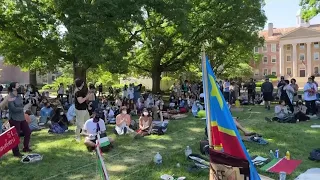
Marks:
<point>132,159</point>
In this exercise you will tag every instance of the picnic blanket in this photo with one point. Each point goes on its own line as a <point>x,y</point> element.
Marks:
<point>278,165</point>
<point>310,174</point>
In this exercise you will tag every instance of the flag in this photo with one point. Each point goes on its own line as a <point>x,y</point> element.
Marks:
<point>278,165</point>
<point>101,166</point>
<point>223,131</point>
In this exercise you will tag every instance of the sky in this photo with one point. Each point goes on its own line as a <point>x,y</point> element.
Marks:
<point>282,13</point>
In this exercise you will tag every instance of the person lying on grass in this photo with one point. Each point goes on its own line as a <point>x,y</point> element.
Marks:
<point>123,122</point>
<point>282,114</point>
<point>91,129</point>
<point>241,128</point>
<point>145,123</point>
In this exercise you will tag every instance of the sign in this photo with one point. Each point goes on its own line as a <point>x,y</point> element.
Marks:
<point>223,172</point>
<point>8,140</point>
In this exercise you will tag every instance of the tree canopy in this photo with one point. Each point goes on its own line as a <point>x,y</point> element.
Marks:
<point>151,36</point>
<point>310,8</point>
<point>44,34</point>
<point>229,29</point>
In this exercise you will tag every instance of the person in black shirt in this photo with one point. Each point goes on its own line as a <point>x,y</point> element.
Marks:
<point>81,107</point>
<point>267,90</point>
<point>251,87</point>
<point>100,90</point>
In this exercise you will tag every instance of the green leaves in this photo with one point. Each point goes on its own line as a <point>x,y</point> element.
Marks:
<point>310,8</point>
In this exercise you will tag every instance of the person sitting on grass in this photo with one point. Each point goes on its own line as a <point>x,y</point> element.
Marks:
<point>123,122</point>
<point>145,123</point>
<point>140,105</point>
<point>300,111</point>
<point>109,114</point>
<point>32,121</point>
<point>282,114</point>
<point>156,114</point>
<point>45,113</point>
<point>59,122</point>
<point>91,128</point>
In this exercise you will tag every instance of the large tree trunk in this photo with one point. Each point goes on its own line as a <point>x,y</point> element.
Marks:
<point>33,77</point>
<point>79,71</point>
<point>156,78</point>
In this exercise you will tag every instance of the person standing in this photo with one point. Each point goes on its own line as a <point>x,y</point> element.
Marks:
<point>287,93</point>
<point>100,90</point>
<point>267,91</point>
<point>60,92</point>
<point>251,87</point>
<point>17,119</point>
<point>310,96</point>
<point>226,90</point>
<point>295,87</point>
<point>81,107</point>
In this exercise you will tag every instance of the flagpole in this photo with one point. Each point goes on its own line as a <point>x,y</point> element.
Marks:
<point>206,93</point>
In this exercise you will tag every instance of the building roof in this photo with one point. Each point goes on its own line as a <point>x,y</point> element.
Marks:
<point>279,32</point>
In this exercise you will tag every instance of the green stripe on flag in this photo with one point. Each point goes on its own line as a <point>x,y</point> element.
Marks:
<point>270,164</point>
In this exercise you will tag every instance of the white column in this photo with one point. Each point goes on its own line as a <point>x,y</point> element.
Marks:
<point>294,59</point>
<point>281,60</point>
<point>309,59</point>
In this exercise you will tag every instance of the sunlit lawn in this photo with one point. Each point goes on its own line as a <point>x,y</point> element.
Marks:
<point>132,159</point>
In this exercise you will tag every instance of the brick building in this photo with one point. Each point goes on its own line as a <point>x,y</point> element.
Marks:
<point>292,52</point>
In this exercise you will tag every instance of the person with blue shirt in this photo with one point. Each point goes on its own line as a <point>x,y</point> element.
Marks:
<point>45,113</point>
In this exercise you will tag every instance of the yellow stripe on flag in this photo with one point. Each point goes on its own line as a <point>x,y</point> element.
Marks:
<point>222,129</point>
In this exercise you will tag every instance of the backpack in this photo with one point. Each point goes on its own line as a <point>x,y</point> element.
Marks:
<point>159,128</point>
<point>315,155</point>
<point>134,124</point>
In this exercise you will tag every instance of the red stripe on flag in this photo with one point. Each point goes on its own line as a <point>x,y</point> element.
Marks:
<point>231,145</point>
<point>215,136</point>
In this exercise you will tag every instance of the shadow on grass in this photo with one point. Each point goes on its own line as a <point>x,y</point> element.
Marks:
<point>298,138</point>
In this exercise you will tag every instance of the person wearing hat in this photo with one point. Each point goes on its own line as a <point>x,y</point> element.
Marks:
<point>92,127</point>
<point>267,91</point>
<point>81,106</point>
<point>300,111</point>
<point>123,121</point>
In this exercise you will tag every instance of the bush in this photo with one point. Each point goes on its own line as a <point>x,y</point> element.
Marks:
<point>270,76</point>
<point>259,83</point>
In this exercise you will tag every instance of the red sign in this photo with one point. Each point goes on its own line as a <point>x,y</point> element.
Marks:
<point>8,140</point>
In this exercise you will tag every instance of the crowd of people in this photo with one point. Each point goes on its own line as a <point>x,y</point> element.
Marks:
<point>291,108</point>
<point>91,110</point>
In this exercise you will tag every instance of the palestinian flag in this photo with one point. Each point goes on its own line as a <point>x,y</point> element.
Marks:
<point>278,165</point>
<point>101,166</point>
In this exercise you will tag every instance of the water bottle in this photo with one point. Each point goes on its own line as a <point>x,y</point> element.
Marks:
<point>288,156</point>
<point>282,175</point>
<point>188,151</point>
<point>277,153</point>
<point>158,159</point>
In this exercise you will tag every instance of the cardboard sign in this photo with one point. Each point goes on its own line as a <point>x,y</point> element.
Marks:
<point>223,172</point>
<point>8,140</point>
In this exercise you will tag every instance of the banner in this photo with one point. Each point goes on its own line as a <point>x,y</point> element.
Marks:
<point>8,140</point>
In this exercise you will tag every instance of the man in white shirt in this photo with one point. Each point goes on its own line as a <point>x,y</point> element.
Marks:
<point>92,127</point>
<point>310,96</point>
